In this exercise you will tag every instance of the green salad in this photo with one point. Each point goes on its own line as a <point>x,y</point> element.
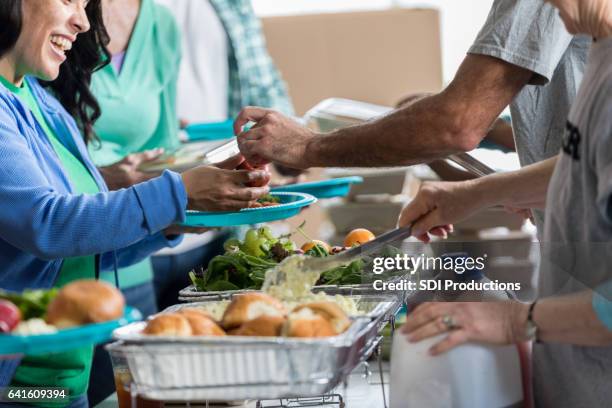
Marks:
<point>244,263</point>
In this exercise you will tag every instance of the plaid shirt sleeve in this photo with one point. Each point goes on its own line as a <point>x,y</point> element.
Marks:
<point>253,77</point>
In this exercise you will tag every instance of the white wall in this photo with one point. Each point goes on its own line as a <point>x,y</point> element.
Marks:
<point>461,19</point>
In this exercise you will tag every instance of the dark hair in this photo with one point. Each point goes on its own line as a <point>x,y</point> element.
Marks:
<point>87,55</point>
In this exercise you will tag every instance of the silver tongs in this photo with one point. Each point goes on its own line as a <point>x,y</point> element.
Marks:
<point>471,164</point>
<point>343,258</point>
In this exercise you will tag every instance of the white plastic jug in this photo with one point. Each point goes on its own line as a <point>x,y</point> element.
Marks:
<point>468,376</point>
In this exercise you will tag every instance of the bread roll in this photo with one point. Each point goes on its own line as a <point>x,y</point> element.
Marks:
<point>249,306</point>
<point>305,323</point>
<point>263,326</point>
<point>195,312</point>
<point>168,324</point>
<point>83,302</point>
<point>329,311</point>
<point>201,323</point>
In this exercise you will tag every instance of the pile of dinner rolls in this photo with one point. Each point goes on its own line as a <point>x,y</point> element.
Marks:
<point>254,314</point>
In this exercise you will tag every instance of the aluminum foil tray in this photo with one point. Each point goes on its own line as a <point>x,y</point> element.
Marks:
<point>234,368</point>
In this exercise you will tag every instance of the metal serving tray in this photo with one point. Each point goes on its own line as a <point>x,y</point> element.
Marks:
<point>234,368</point>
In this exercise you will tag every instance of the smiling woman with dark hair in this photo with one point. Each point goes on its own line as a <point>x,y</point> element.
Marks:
<point>59,222</point>
<point>72,86</point>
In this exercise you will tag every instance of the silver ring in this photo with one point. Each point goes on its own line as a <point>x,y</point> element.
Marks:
<point>449,322</point>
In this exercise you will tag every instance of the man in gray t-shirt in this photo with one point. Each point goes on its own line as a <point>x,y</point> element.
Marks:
<point>530,34</point>
<point>523,57</point>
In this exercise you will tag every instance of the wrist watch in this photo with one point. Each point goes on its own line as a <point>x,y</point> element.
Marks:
<point>531,329</point>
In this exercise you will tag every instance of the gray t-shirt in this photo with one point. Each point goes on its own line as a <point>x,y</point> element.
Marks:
<point>531,35</point>
<point>577,244</point>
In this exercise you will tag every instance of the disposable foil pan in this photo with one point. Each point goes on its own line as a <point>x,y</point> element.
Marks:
<point>233,368</point>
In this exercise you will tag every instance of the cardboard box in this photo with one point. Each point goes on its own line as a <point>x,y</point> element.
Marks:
<point>371,56</point>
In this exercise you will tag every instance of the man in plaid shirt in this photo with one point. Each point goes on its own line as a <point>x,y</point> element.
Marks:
<point>226,64</point>
<point>254,79</point>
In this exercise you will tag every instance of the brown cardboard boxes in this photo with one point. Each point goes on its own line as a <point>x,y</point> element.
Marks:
<point>371,56</point>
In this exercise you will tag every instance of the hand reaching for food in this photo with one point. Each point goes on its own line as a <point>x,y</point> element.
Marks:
<point>238,162</point>
<point>245,165</point>
<point>273,138</point>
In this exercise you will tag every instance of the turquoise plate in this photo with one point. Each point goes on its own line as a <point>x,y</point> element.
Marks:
<point>336,187</point>
<point>290,205</point>
<point>210,131</point>
<point>67,339</point>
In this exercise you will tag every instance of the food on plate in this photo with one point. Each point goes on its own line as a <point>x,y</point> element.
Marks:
<point>247,166</point>
<point>263,326</point>
<point>330,311</point>
<point>201,323</point>
<point>31,303</point>
<point>83,302</point>
<point>168,324</point>
<point>267,200</point>
<point>249,306</point>
<point>306,323</point>
<point>10,316</point>
<point>34,326</point>
<point>358,236</point>
<point>316,244</point>
<point>43,311</point>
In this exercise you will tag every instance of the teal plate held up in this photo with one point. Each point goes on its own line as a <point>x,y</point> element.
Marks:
<point>66,339</point>
<point>290,205</point>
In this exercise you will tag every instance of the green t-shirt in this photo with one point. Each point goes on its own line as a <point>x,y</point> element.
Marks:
<point>139,104</point>
<point>68,369</point>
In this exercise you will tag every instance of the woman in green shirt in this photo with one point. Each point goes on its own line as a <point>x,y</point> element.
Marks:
<point>136,93</point>
<point>137,97</point>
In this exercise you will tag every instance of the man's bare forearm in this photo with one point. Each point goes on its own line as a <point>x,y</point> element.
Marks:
<point>452,121</point>
<point>524,188</point>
